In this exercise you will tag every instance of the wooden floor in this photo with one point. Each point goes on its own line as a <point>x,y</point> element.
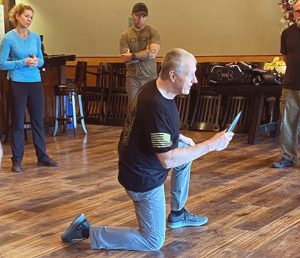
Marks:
<point>253,210</point>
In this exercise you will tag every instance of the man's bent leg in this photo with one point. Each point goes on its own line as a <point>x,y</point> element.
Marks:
<point>180,183</point>
<point>150,211</point>
<point>179,216</point>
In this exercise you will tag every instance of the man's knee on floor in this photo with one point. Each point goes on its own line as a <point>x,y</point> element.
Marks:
<point>155,242</point>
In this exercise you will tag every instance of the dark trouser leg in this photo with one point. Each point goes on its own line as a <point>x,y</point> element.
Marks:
<point>35,107</point>
<point>18,100</point>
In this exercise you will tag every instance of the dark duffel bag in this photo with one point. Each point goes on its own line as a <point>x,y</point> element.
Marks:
<point>262,77</point>
<point>233,73</point>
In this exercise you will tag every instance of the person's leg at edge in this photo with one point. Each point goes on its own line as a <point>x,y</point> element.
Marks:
<point>290,110</point>
<point>150,212</point>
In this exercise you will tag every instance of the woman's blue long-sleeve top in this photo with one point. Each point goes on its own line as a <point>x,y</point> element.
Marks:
<point>13,52</point>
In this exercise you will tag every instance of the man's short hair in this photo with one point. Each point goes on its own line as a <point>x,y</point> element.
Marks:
<point>173,60</point>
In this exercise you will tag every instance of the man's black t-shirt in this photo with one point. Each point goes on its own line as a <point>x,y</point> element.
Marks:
<point>290,46</point>
<point>151,126</point>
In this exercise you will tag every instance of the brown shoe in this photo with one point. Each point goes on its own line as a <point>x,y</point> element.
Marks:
<point>16,167</point>
<point>47,163</point>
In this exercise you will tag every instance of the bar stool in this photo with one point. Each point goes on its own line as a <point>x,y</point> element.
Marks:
<point>69,95</point>
<point>65,94</point>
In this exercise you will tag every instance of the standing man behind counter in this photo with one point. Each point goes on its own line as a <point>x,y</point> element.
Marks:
<point>139,46</point>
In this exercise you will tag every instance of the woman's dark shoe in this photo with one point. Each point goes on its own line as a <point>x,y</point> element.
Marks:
<point>47,163</point>
<point>16,167</point>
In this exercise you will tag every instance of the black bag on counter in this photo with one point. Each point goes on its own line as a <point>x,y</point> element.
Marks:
<point>262,77</point>
<point>233,73</point>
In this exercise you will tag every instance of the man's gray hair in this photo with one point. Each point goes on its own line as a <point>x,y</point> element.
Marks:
<point>173,60</point>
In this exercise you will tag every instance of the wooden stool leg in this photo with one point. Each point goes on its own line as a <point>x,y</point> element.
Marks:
<point>74,115</point>
<point>56,115</point>
<point>81,114</point>
<point>65,100</point>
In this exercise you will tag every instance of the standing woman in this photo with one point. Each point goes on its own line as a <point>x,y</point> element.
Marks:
<point>21,55</point>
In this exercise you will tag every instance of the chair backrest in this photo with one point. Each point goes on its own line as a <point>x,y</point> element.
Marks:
<point>97,98</point>
<point>234,105</point>
<point>202,73</point>
<point>107,102</point>
<point>103,79</point>
<point>206,113</point>
<point>118,102</point>
<point>80,74</point>
<point>183,106</point>
<point>118,75</point>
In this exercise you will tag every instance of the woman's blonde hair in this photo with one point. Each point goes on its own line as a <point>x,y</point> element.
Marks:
<point>17,10</point>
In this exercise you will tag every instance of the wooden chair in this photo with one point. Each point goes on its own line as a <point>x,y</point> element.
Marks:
<point>97,97</point>
<point>235,104</point>
<point>118,102</point>
<point>206,113</point>
<point>183,106</point>
<point>201,74</point>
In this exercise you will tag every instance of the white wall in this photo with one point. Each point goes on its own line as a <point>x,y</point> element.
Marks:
<point>204,27</point>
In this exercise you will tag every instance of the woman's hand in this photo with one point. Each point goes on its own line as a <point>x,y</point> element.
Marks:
<point>32,61</point>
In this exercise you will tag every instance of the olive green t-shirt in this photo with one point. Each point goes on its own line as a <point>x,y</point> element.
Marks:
<point>137,41</point>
